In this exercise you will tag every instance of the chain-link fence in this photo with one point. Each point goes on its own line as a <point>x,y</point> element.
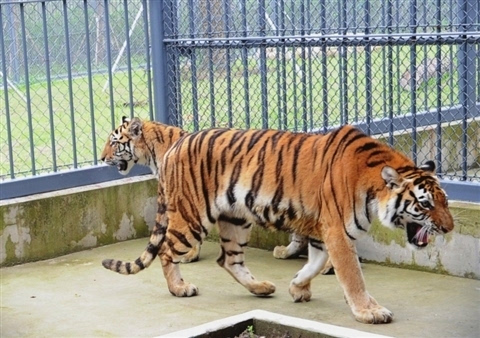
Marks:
<point>405,71</point>
<point>70,70</point>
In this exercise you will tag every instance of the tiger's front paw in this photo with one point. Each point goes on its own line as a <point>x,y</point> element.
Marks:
<point>264,288</point>
<point>300,293</point>
<point>374,315</point>
<point>280,252</point>
<point>184,289</point>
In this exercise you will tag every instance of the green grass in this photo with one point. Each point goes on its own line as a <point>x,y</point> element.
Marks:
<point>82,126</point>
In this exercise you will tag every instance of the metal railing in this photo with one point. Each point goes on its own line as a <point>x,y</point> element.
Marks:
<point>407,72</point>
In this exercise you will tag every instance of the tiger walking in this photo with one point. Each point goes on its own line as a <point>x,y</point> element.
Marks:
<point>326,187</point>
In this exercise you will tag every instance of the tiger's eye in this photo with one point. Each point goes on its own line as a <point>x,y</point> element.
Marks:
<point>426,204</point>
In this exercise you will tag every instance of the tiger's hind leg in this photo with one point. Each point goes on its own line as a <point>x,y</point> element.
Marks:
<point>234,236</point>
<point>298,245</point>
<point>300,284</point>
<point>178,243</point>
<point>192,256</point>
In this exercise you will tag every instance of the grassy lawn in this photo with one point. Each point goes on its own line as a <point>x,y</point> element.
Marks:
<point>282,113</point>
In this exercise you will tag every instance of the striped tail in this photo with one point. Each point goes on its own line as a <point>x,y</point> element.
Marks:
<point>142,262</point>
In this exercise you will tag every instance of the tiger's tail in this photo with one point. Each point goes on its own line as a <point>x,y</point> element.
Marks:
<point>146,258</point>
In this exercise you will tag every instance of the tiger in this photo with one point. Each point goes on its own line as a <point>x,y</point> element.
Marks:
<point>125,147</point>
<point>143,142</point>
<point>328,187</point>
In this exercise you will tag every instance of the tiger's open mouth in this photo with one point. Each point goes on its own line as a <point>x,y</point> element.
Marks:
<point>417,235</point>
<point>122,165</point>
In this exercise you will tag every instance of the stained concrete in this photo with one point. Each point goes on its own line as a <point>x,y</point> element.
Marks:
<point>74,295</point>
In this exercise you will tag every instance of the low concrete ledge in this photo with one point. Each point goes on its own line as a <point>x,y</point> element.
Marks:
<point>268,322</point>
<point>53,224</point>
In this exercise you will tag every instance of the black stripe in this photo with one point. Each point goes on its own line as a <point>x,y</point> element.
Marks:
<point>349,236</point>
<point>316,244</point>
<point>296,153</point>
<point>366,147</point>
<point>256,137</point>
<point>231,220</point>
<point>139,262</point>
<point>277,197</point>
<point>205,196</point>
<point>234,253</point>
<point>368,199</point>
<point>181,237</point>
<point>128,267</point>
<point>152,249</point>
<point>195,234</point>
<point>233,181</point>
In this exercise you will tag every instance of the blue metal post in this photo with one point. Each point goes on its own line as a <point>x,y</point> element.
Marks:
<point>160,102</point>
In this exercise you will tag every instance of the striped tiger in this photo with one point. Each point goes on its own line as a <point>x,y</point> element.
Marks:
<point>326,187</point>
<point>145,143</point>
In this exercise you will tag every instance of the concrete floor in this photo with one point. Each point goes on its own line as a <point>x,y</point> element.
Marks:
<point>74,295</point>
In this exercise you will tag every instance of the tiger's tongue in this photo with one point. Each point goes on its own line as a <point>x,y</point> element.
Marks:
<point>424,238</point>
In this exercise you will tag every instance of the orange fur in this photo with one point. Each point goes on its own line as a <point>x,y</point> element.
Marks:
<point>326,187</point>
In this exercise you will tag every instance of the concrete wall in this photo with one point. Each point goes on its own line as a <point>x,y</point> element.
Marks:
<point>49,225</point>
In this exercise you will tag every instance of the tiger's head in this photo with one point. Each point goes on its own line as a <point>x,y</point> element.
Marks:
<point>415,202</point>
<point>119,150</point>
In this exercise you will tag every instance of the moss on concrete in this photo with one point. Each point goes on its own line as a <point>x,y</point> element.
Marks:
<point>63,224</point>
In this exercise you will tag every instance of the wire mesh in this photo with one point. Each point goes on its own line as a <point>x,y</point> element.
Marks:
<point>406,72</point>
<point>70,70</point>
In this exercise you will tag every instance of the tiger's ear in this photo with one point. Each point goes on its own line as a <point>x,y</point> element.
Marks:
<point>135,128</point>
<point>391,177</point>
<point>125,120</point>
<point>428,166</point>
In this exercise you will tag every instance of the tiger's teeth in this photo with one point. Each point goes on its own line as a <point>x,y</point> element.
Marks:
<point>420,243</point>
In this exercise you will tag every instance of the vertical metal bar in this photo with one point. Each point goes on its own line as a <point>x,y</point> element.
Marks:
<point>210,67</point>
<point>310,73</point>
<point>303,78</point>
<point>355,65</point>
<point>278,62</point>
<point>384,63</point>
<point>90,84</point>
<point>172,78</point>
<point>7,104</point>
<point>228,66</point>
<point>466,57</point>
<point>129,57</point>
<point>263,65</point>
<point>425,58</point>
<point>27,87</point>
<point>397,50</point>
<point>390,71</point>
<point>323,25</point>
<point>413,79</point>
<point>191,20</point>
<point>451,84</point>
<point>70,82</point>
<point>368,68</point>
<point>439,89</point>
<point>53,143</point>
<point>109,62</point>
<point>284,66</point>
<point>13,46</point>
<point>148,69</point>
<point>246,88</point>
<point>343,62</point>
<point>294,72</point>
